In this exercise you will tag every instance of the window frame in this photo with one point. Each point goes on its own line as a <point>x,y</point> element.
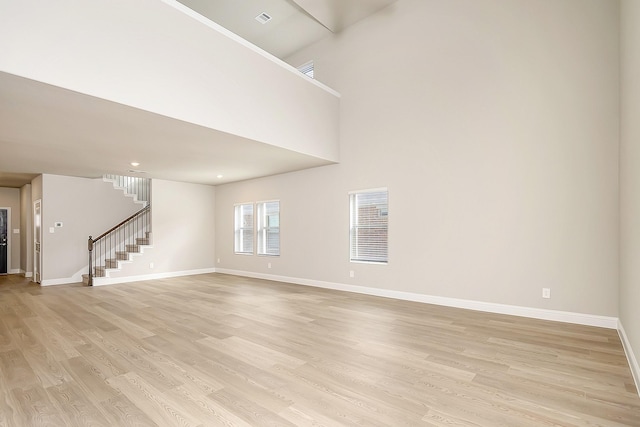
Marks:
<point>263,228</point>
<point>354,227</point>
<point>239,229</point>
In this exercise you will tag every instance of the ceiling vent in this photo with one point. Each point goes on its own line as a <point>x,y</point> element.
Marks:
<point>263,18</point>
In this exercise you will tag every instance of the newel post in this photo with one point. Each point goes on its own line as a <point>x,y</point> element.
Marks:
<point>90,247</point>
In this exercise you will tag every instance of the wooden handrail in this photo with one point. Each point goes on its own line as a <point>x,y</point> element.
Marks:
<point>140,212</point>
<point>91,243</point>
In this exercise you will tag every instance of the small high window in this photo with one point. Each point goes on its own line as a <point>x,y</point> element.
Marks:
<point>307,69</point>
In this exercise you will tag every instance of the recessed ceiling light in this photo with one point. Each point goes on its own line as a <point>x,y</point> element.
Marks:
<point>219,176</point>
<point>263,18</point>
<point>134,164</point>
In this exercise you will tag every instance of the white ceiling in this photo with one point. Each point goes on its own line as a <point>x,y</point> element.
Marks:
<point>46,129</point>
<point>294,24</point>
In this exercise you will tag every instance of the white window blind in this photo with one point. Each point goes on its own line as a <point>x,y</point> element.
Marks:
<point>244,228</point>
<point>369,226</point>
<point>307,69</point>
<point>268,214</point>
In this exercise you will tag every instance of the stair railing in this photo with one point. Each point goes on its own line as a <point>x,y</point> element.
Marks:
<point>141,187</point>
<point>105,246</point>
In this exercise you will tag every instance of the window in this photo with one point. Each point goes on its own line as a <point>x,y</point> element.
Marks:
<point>369,226</point>
<point>268,216</point>
<point>307,69</point>
<point>244,228</point>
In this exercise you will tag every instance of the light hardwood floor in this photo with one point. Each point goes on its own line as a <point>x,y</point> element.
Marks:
<point>222,350</point>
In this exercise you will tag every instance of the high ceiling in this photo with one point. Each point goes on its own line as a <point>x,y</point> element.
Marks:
<point>46,129</point>
<point>294,24</point>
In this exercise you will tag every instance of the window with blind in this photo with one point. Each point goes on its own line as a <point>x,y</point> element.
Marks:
<point>307,69</point>
<point>268,218</point>
<point>244,228</point>
<point>369,221</point>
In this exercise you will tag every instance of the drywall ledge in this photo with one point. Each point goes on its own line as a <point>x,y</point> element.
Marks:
<point>161,57</point>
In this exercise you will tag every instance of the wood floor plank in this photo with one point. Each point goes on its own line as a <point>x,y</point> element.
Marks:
<point>49,337</point>
<point>125,413</point>
<point>244,378</point>
<point>122,323</point>
<point>189,376</point>
<point>90,379</point>
<point>248,409</point>
<point>6,337</point>
<point>161,409</point>
<point>15,371</point>
<point>219,350</point>
<point>8,416</point>
<point>76,408</point>
<point>132,359</point>
<point>48,370</point>
<point>211,413</point>
<point>255,354</point>
<point>36,408</point>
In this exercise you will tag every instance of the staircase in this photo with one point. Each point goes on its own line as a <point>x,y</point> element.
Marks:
<point>139,189</point>
<point>126,240</point>
<point>127,255</point>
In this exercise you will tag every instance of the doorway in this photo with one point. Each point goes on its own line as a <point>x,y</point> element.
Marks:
<point>37,238</point>
<point>4,241</point>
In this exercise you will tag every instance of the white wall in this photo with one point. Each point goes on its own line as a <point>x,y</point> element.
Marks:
<point>26,231</point>
<point>10,198</point>
<point>156,56</point>
<point>85,207</point>
<point>494,125</point>
<point>630,178</point>
<point>183,234</point>
<point>183,227</point>
<point>182,219</point>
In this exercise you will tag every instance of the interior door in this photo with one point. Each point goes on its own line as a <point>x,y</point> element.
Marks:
<point>4,241</point>
<point>37,238</point>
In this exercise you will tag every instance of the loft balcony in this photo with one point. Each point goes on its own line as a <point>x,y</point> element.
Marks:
<point>152,78</point>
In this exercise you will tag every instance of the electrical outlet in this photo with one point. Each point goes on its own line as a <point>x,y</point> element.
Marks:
<point>218,260</point>
<point>546,292</point>
<point>150,265</point>
<point>352,273</point>
<point>269,265</point>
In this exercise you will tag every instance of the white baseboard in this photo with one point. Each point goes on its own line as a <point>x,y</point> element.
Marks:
<point>25,273</point>
<point>62,281</point>
<point>535,313</point>
<point>631,357</point>
<point>15,271</point>
<point>102,281</point>
<point>76,278</point>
